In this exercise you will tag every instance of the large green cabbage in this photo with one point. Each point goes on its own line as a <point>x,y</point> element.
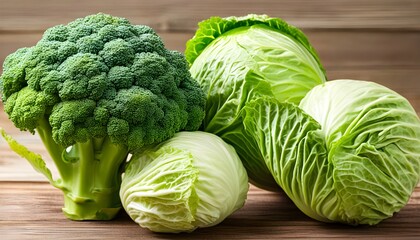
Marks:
<point>193,180</point>
<point>349,153</point>
<point>237,59</point>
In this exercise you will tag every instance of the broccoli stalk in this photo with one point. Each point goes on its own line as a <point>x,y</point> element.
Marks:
<point>93,191</point>
<point>90,173</point>
<point>89,179</point>
<point>96,90</point>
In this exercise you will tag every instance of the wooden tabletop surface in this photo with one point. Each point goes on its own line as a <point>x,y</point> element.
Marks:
<point>375,40</point>
<point>32,210</point>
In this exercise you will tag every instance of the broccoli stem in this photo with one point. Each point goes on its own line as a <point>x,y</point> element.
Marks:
<point>93,191</point>
<point>90,175</point>
<point>83,175</point>
<point>55,150</point>
<point>111,157</point>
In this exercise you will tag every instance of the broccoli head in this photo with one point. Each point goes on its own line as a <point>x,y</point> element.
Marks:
<point>95,90</point>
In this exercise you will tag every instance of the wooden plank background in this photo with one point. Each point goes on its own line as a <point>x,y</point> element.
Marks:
<point>182,15</point>
<point>375,40</point>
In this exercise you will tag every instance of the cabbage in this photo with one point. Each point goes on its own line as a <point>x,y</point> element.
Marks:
<point>237,59</point>
<point>349,153</point>
<point>193,180</point>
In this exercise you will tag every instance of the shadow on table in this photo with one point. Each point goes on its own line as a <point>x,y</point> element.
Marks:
<point>274,216</point>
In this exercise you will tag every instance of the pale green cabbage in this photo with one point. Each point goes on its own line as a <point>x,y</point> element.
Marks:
<point>237,59</point>
<point>193,180</point>
<point>349,153</point>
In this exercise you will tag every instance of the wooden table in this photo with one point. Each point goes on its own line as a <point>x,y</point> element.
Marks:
<point>31,210</point>
<point>375,40</point>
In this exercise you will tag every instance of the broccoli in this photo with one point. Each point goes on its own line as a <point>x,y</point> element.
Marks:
<point>96,90</point>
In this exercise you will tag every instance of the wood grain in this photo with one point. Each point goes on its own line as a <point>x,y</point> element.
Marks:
<point>33,211</point>
<point>182,15</point>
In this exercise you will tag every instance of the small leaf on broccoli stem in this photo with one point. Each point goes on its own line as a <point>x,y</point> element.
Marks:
<point>33,158</point>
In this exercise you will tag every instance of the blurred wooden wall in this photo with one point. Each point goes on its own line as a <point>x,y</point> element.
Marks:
<point>376,40</point>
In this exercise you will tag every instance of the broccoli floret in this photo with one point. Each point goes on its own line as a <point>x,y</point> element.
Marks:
<point>95,90</point>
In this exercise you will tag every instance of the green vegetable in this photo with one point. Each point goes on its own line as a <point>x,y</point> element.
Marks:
<point>237,59</point>
<point>349,153</point>
<point>193,180</point>
<point>94,90</point>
